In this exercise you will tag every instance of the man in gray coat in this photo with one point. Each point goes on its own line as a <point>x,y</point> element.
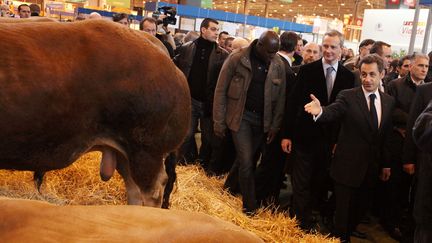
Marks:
<point>249,100</point>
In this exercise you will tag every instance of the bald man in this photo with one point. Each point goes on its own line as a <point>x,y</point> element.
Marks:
<point>239,42</point>
<point>95,15</point>
<point>249,101</point>
<point>311,53</point>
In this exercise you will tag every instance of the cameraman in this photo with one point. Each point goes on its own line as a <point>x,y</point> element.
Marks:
<point>149,25</point>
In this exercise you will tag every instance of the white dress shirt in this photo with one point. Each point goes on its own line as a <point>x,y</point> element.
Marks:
<point>286,58</point>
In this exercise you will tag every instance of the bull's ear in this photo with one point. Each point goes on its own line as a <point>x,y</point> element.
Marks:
<point>108,163</point>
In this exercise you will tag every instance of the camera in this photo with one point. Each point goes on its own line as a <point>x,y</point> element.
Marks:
<point>170,13</point>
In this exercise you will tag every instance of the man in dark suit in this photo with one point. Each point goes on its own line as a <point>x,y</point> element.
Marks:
<point>420,162</point>
<point>313,142</point>
<point>397,189</point>
<point>422,134</point>
<point>361,154</point>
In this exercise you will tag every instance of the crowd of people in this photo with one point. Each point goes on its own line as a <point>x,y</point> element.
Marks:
<point>338,125</point>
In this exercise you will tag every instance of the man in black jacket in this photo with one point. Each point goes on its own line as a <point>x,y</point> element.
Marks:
<point>422,134</point>
<point>361,156</point>
<point>420,163</point>
<point>201,61</point>
<point>312,142</point>
<point>403,90</point>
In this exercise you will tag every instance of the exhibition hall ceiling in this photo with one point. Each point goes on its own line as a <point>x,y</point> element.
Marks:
<point>291,9</point>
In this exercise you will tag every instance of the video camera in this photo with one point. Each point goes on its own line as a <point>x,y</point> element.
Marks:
<point>170,13</point>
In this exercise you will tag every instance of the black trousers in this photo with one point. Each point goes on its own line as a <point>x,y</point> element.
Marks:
<point>270,172</point>
<point>310,180</point>
<point>222,156</point>
<point>351,205</point>
<point>423,233</point>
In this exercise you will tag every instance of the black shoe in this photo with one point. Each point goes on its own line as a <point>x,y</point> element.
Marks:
<point>249,212</point>
<point>396,234</point>
<point>328,222</point>
<point>365,220</point>
<point>359,234</point>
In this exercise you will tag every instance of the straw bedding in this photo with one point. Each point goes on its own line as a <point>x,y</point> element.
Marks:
<point>194,191</point>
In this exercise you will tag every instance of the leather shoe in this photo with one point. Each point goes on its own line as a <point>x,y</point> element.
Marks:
<point>359,234</point>
<point>396,234</point>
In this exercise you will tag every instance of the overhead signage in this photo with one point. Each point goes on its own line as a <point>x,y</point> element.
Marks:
<point>206,3</point>
<point>119,3</point>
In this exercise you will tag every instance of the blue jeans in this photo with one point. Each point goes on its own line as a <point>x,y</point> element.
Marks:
<point>247,140</point>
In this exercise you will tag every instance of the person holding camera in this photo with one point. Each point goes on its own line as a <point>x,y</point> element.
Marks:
<point>149,25</point>
<point>200,61</point>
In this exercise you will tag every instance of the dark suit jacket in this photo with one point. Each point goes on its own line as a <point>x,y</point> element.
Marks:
<point>422,131</point>
<point>361,150</point>
<point>403,90</point>
<point>289,77</point>
<point>423,135</point>
<point>300,127</point>
<point>421,100</point>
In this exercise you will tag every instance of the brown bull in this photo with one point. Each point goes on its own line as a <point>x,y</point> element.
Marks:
<point>70,88</point>
<point>26,220</point>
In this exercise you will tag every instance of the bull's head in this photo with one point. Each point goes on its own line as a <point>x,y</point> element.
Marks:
<point>144,174</point>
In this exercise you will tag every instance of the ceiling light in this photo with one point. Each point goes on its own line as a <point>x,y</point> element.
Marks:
<point>331,14</point>
<point>284,15</point>
<point>262,11</point>
<point>270,14</point>
<point>238,1</point>
<point>320,5</point>
<point>226,6</point>
<point>290,10</point>
<point>275,10</point>
<point>299,5</point>
<point>225,2</point>
<point>342,4</point>
<point>281,5</point>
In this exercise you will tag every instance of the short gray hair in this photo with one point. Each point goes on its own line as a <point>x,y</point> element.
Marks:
<point>333,33</point>
<point>417,55</point>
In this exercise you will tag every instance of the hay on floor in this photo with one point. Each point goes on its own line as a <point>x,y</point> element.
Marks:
<point>80,184</point>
